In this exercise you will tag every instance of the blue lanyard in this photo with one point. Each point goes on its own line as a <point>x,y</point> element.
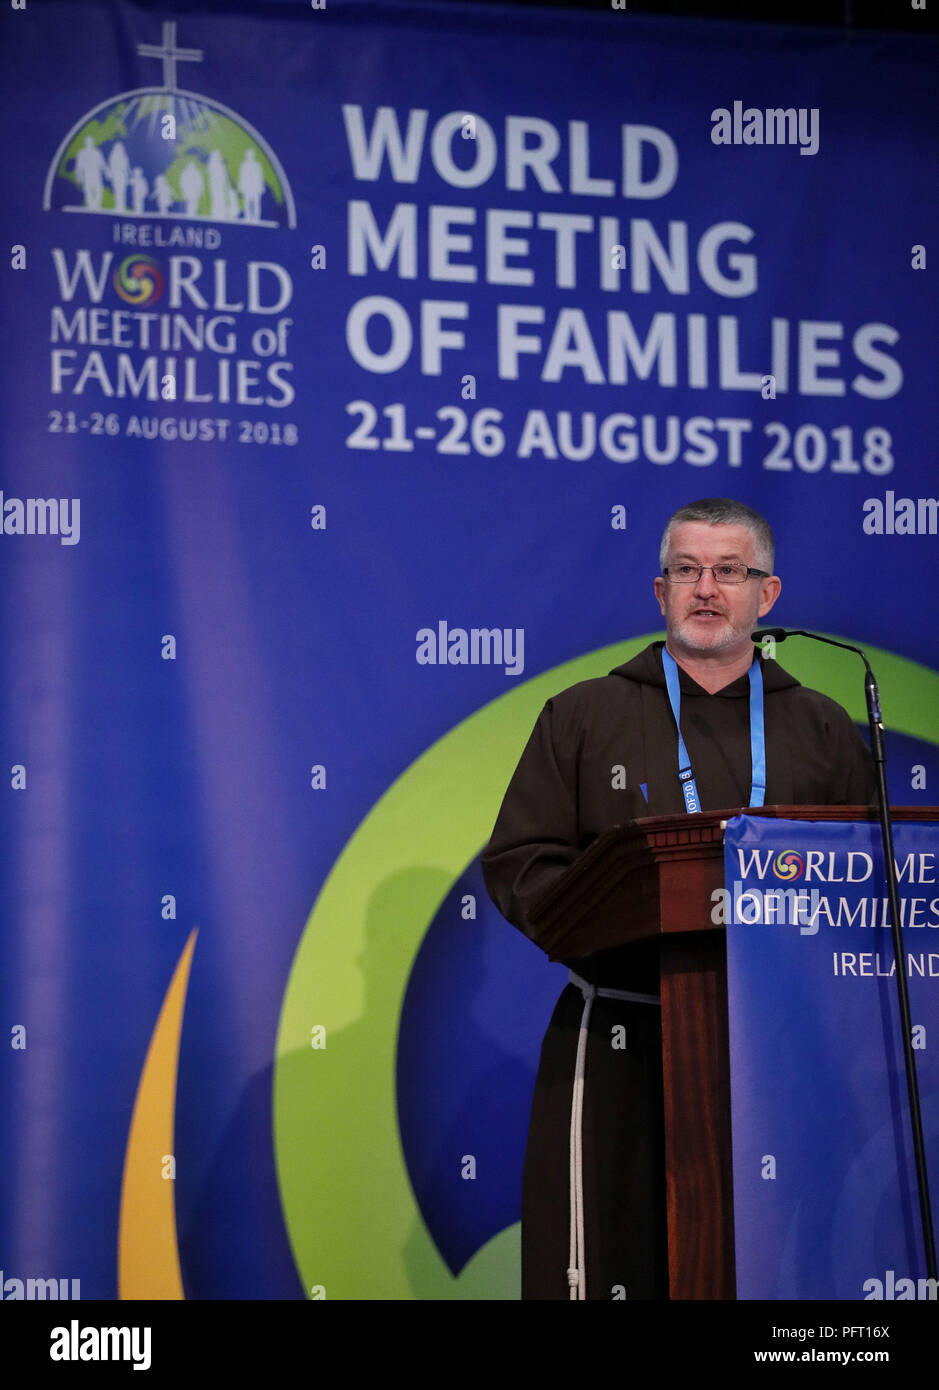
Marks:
<point>757,740</point>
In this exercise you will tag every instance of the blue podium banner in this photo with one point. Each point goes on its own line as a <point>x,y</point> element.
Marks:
<point>825,1199</point>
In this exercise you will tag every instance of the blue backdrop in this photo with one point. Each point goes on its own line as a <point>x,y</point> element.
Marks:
<point>324,328</point>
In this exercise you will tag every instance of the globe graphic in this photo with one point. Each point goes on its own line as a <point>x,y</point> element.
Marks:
<point>128,159</point>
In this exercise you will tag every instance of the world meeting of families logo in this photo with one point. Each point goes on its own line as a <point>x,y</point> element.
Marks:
<point>175,170</point>
<point>163,152</point>
<point>788,865</point>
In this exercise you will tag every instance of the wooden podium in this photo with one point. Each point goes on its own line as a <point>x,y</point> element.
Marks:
<point>654,878</point>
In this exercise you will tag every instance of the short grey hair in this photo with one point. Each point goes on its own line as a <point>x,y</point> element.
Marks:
<point>724,511</point>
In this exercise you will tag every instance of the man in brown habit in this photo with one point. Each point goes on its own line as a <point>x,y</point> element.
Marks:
<point>716,582</point>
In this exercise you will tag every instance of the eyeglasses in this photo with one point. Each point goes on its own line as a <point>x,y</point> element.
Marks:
<point>723,574</point>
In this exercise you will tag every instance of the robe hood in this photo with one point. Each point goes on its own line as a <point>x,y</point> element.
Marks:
<point>646,669</point>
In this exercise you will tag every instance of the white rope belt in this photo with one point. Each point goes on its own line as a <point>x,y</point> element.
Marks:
<point>576,1272</point>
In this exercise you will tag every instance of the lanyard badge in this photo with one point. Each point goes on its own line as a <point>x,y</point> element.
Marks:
<point>757,741</point>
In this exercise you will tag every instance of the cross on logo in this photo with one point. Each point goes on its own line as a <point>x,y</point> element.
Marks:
<point>170,54</point>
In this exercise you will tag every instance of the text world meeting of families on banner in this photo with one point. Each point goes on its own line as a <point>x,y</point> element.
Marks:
<point>353,359</point>
<point>825,1197</point>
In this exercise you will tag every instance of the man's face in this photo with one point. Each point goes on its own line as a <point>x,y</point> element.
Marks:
<point>708,618</point>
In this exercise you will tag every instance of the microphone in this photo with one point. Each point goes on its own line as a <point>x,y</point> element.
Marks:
<point>871,691</point>
<point>875,721</point>
<point>779,634</point>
